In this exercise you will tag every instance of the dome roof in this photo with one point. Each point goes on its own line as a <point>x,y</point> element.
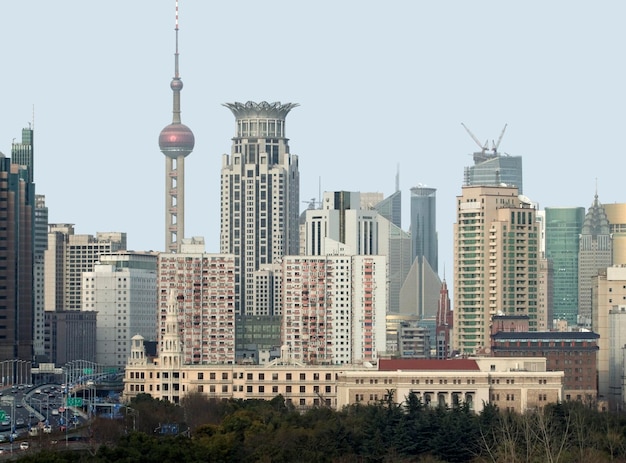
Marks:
<point>176,140</point>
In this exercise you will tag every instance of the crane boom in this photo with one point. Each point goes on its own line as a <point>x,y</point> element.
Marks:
<point>481,146</point>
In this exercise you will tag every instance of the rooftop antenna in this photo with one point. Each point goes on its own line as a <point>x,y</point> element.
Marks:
<point>398,178</point>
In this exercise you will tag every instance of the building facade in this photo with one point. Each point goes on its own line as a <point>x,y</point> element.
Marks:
<point>205,287</point>
<point>495,262</point>
<point>608,294</point>
<point>334,308</point>
<point>67,257</point>
<point>563,226</point>
<point>595,252</point>
<point>260,195</point>
<point>616,215</point>
<point>17,220</point>
<point>122,290</point>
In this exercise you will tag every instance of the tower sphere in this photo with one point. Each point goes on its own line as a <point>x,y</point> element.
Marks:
<point>176,84</point>
<point>176,140</point>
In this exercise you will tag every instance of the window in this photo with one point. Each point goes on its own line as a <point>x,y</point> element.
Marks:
<point>200,375</point>
<point>302,376</point>
<point>288,389</point>
<point>302,389</point>
<point>288,377</point>
<point>211,375</point>
<point>225,375</point>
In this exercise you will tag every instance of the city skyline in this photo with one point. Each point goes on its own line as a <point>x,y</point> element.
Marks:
<point>402,72</point>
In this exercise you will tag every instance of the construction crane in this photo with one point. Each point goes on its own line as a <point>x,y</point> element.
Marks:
<point>483,147</point>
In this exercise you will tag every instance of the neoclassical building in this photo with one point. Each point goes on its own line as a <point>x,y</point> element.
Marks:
<point>511,383</point>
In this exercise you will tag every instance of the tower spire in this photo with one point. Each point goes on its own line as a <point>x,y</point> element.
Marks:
<point>176,141</point>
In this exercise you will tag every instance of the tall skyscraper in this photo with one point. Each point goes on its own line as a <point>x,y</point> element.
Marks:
<point>563,226</point>
<point>595,252</point>
<point>424,224</point>
<point>495,262</point>
<point>22,154</point>
<point>176,141</point>
<point>17,217</point>
<point>260,195</point>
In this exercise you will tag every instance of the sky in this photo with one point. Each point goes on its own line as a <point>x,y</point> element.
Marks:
<point>382,87</point>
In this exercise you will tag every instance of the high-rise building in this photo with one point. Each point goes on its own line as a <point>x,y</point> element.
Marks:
<point>70,335</point>
<point>445,324</point>
<point>563,226</point>
<point>41,245</point>
<point>67,257</point>
<point>17,217</point>
<point>334,308</point>
<point>616,215</point>
<point>260,198</point>
<point>495,262</point>
<point>176,142</point>
<point>22,154</point>
<point>608,294</point>
<point>391,207</point>
<point>595,252</point>
<point>424,224</point>
<point>204,285</point>
<point>122,289</point>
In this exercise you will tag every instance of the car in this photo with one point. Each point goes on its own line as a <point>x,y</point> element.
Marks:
<point>62,428</point>
<point>5,422</point>
<point>37,391</point>
<point>24,445</point>
<point>47,429</point>
<point>19,422</point>
<point>19,405</point>
<point>55,411</point>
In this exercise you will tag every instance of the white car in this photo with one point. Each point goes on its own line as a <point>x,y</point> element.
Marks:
<point>24,445</point>
<point>55,411</point>
<point>47,429</point>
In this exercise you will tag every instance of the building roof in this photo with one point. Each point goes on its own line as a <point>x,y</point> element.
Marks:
<point>546,335</point>
<point>428,364</point>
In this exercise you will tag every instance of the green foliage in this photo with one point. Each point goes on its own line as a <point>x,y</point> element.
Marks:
<point>385,432</point>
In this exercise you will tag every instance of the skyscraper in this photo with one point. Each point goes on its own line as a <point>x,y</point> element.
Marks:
<point>595,252</point>
<point>492,168</point>
<point>563,226</point>
<point>616,214</point>
<point>259,195</point>
<point>176,141</point>
<point>17,217</point>
<point>424,224</point>
<point>495,262</point>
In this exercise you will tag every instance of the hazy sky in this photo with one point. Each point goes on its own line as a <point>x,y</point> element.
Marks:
<point>381,85</point>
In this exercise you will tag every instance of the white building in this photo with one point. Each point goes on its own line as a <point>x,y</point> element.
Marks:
<point>334,308</point>
<point>122,289</point>
<point>260,186</point>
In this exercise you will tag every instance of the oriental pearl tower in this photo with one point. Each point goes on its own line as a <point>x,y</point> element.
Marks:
<point>176,141</point>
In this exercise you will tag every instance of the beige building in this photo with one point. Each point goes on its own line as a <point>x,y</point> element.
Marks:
<point>616,214</point>
<point>609,293</point>
<point>515,384</point>
<point>496,255</point>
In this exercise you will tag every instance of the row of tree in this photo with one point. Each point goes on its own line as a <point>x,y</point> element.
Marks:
<point>201,429</point>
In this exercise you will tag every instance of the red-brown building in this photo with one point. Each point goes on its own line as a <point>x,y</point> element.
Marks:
<point>573,353</point>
